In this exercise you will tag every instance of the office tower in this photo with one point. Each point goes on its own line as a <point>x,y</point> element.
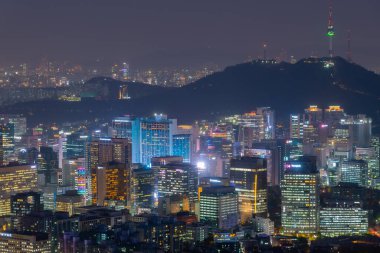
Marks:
<point>354,171</point>
<point>18,122</point>
<point>370,156</point>
<point>7,140</point>
<point>249,177</point>
<point>48,164</point>
<point>122,127</point>
<point>332,171</point>
<point>332,117</point>
<point>152,137</point>
<point>296,126</point>
<point>14,179</point>
<point>102,151</point>
<point>360,129</point>
<point>143,189</point>
<point>293,149</point>
<point>274,152</point>
<point>219,207</point>
<point>113,186</point>
<point>310,138</point>
<point>75,145</point>
<point>343,217</point>
<point>375,144</point>
<point>269,122</point>
<point>300,197</point>
<point>25,203</point>
<point>251,128</point>
<point>313,115</point>
<point>182,146</point>
<point>69,201</point>
<point>25,242</point>
<point>177,179</point>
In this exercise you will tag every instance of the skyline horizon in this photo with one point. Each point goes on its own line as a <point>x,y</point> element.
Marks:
<point>146,36</point>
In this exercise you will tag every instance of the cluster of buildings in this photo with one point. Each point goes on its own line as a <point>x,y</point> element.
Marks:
<point>244,183</point>
<point>49,74</point>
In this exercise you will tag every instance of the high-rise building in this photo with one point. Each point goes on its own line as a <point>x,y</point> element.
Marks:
<point>25,203</point>
<point>296,126</point>
<point>249,177</point>
<point>14,179</point>
<point>102,151</point>
<point>48,164</point>
<point>26,242</point>
<point>182,146</point>
<point>152,137</point>
<point>143,189</point>
<point>300,197</point>
<point>251,128</point>
<point>113,186</point>
<point>360,129</point>
<point>343,217</point>
<point>313,115</point>
<point>371,157</point>
<point>219,207</point>
<point>274,152</point>
<point>122,127</point>
<point>19,123</point>
<point>354,171</point>
<point>177,179</point>
<point>7,136</point>
<point>75,145</point>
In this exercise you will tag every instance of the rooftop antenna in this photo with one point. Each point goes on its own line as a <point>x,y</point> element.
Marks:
<point>265,45</point>
<point>330,29</point>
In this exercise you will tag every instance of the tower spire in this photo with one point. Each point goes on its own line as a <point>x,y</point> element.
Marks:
<point>330,29</point>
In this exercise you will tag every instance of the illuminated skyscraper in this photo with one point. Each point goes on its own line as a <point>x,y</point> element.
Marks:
<point>182,146</point>
<point>18,122</point>
<point>25,203</point>
<point>143,189</point>
<point>219,207</point>
<point>177,179</point>
<point>15,179</point>
<point>102,151</point>
<point>113,186</point>
<point>343,217</point>
<point>75,145</point>
<point>8,141</point>
<point>296,126</point>
<point>122,127</point>
<point>360,129</point>
<point>48,164</point>
<point>152,137</point>
<point>300,197</point>
<point>249,177</point>
<point>354,171</point>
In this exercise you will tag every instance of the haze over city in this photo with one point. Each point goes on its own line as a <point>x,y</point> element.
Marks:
<point>211,126</point>
<point>182,33</point>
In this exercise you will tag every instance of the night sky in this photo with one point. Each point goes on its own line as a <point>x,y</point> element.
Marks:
<point>164,33</point>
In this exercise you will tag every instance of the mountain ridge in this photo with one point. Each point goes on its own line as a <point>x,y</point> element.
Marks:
<point>287,88</point>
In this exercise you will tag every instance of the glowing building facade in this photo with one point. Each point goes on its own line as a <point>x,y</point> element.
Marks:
<point>152,137</point>
<point>15,179</point>
<point>249,177</point>
<point>219,207</point>
<point>300,197</point>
